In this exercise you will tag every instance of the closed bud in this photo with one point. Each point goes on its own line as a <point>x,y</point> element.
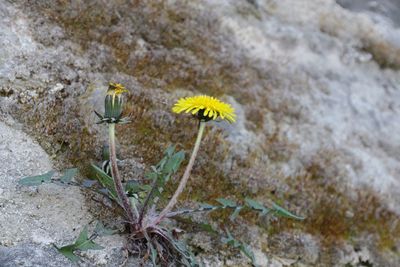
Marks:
<point>113,104</point>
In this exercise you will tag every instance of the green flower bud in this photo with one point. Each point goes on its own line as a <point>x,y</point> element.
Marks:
<point>113,104</point>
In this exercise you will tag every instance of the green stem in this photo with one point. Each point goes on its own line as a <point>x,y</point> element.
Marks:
<point>117,178</point>
<point>185,176</point>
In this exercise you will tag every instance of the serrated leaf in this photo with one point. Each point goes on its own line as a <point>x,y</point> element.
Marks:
<point>283,212</point>
<point>68,175</point>
<point>187,256</point>
<point>82,243</point>
<point>101,230</point>
<point>229,239</point>
<point>227,202</point>
<point>207,227</point>
<point>247,251</point>
<point>153,254</point>
<point>257,206</point>
<point>207,206</point>
<point>104,191</point>
<point>36,180</point>
<point>88,244</point>
<point>67,251</point>
<point>83,236</point>
<point>132,187</point>
<point>151,175</point>
<point>105,181</point>
<point>145,187</point>
<point>235,213</point>
<point>153,168</point>
<point>163,179</point>
<point>254,204</point>
<point>153,251</point>
<point>243,247</point>
<point>169,151</point>
<point>174,162</point>
<point>88,183</point>
<point>162,162</point>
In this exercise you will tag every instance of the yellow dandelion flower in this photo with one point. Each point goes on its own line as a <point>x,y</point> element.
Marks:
<point>205,108</point>
<point>116,89</point>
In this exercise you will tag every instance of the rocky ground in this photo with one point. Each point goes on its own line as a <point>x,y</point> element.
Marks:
<point>315,84</point>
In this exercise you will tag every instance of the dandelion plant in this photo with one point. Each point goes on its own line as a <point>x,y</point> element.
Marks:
<point>149,235</point>
<point>204,108</point>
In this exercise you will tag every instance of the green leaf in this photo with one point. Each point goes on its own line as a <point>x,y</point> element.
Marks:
<point>235,213</point>
<point>230,240</point>
<point>153,251</point>
<point>88,183</point>
<point>187,256</point>
<point>133,187</point>
<point>67,251</point>
<point>174,162</point>
<point>105,181</point>
<point>101,230</point>
<point>68,175</point>
<point>247,251</point>
<point>151,175</point>
<point>36,180</point>
<point>88,244</point>
<point>243,247</point>
<point>82,243</point>
<point>208,228</point>
<point>153,254</point>
<point>161,163</point>
<point>207,206</point>
<point>83,236</point>
<point>169,151</point>
<point>227,202</point>
<point>145,187</point>
<point>257,206</point>
<point>162,172</point>
<point>285,213</point>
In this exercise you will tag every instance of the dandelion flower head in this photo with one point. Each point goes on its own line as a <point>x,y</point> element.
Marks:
<point>205,108</point>
<point>116,89</point>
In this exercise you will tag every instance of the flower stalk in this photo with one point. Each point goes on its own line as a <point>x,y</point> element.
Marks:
<point>117,177</point>
<point>185,176</point>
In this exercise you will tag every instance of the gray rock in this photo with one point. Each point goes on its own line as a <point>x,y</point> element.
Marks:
<point>43,215</point>
<point>32,255</point>
<point>33,219</point>
<point>385,9</point>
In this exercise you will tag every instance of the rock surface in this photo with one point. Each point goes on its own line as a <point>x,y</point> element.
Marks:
<point>33,219</point>
<point>315,86</point>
